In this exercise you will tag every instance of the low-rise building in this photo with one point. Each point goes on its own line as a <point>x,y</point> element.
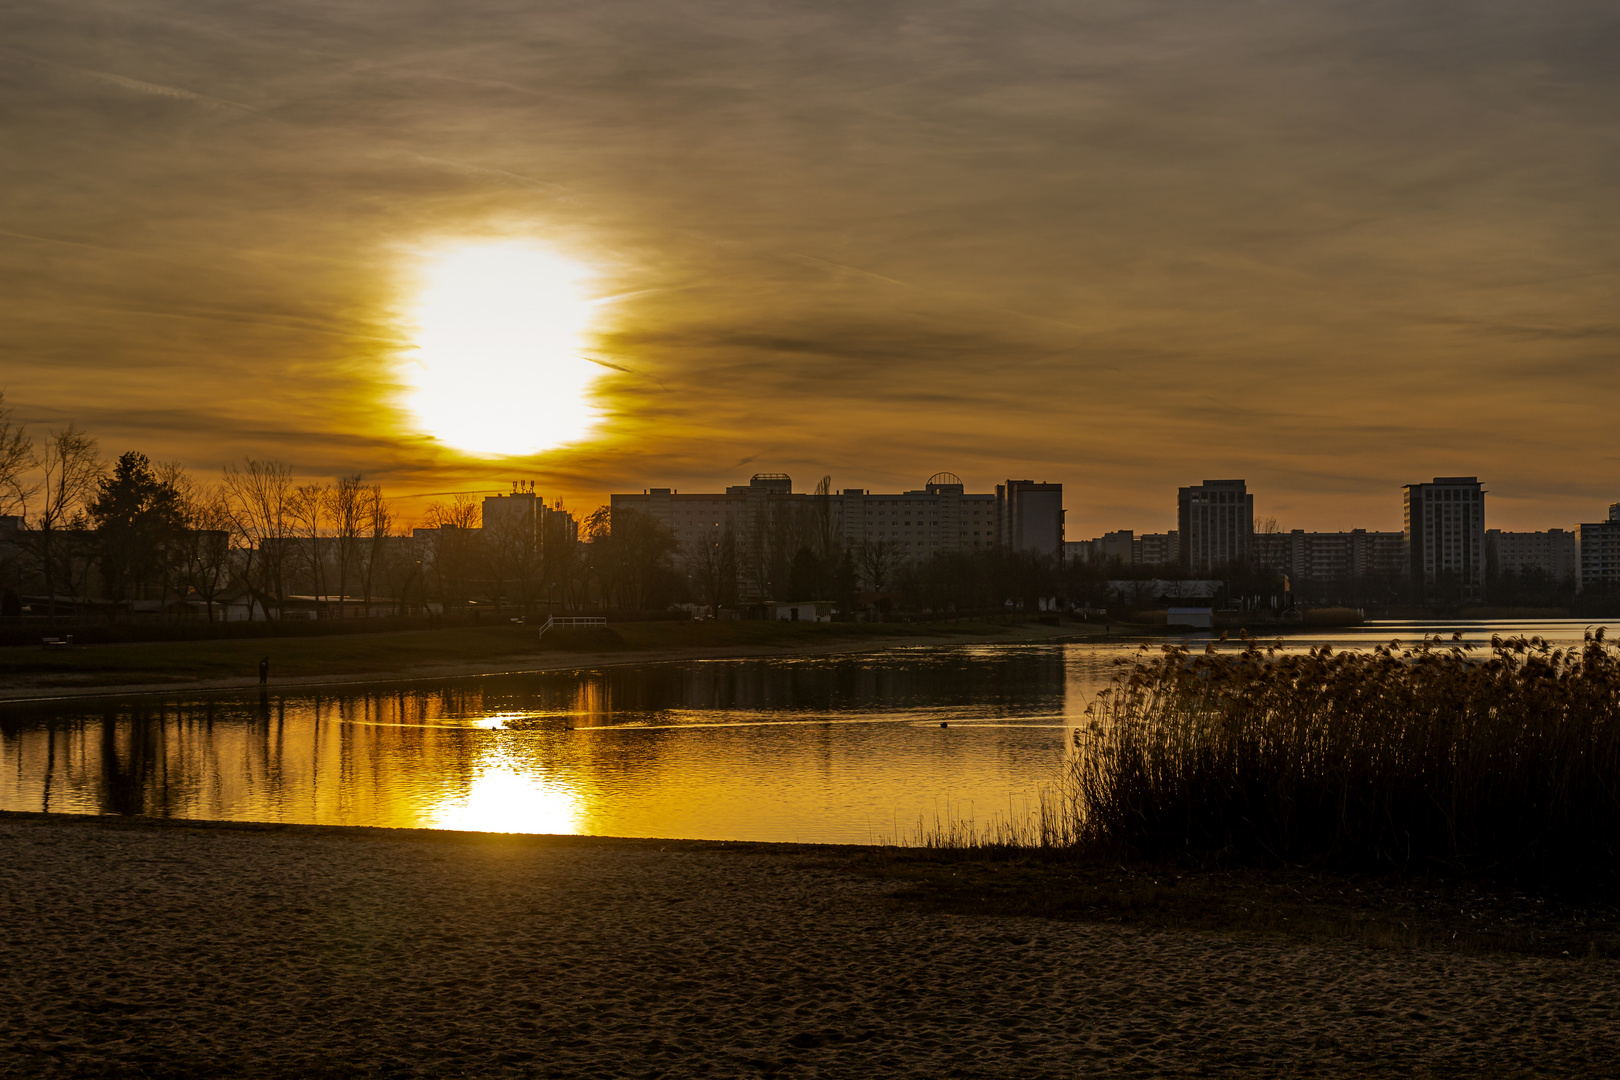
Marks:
<point>1552,552</point>
<point>765,518</point>
<point>1126,548</point>
<point>1162,593</point>
<point>1158,549</point>
<point>1331,556</point>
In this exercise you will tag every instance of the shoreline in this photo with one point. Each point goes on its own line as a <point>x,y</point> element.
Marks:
<point>1024,634</point>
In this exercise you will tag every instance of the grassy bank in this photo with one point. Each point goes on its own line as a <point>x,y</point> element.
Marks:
<point>492,647</point>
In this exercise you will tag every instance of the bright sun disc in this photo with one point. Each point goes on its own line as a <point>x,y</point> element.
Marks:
<point>497,371</point>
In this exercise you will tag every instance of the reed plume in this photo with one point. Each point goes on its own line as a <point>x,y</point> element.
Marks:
<point>1398,758</point>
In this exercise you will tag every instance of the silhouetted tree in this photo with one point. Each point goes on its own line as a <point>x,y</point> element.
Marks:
<point>514,550</point>
<point>711,562</point>
<point>631,555</point>
<point>876,561</point>
<point>377,517</point>
<point>16,463</point>
<point>137,519</point>
<point>306,512</point>
<point>809,577</point>
<point>457,547</point>
<point>202,556</point>
<point>345,513</point>
<point>826,528</point>
<point>257,497</point>
<point>70,466</point>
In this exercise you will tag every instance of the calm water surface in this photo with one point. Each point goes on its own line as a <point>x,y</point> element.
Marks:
<point>846,749</point>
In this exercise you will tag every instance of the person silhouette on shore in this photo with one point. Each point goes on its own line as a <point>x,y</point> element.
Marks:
<point>264,671</point>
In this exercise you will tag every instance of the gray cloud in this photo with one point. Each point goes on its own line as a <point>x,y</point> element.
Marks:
<point>1333,247</point>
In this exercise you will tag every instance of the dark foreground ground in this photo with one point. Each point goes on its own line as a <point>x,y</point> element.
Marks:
<point>146,950</point>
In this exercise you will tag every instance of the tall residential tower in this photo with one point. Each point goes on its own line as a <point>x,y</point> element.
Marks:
<point>1445,534</point>
<point>1217,525</point>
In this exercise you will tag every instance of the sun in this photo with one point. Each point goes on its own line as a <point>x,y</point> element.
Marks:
<point>498,330</point>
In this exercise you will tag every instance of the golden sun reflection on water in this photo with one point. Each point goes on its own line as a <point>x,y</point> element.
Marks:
<point>497,371</point>
<point>505,798</point>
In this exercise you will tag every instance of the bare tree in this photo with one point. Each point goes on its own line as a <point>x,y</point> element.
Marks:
<point>776,531</point>
<point>462,512</point>
<point>71,466</point>
<point>712,564</point>
<point>512,546</point>
<point>630,553</point>
<point>307,511</point>
<point>456,546</point>
<point>826,528</point>
<point>257,496</point>
<point>377,519</point>
<point>567,568</point>
<point>877,561</point>
<point>345,511</point>
<point>16,463</point>
<point>203,552</point>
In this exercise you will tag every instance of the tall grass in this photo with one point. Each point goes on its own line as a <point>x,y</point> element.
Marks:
<point>1400,759</point>
<point>1051,825</point>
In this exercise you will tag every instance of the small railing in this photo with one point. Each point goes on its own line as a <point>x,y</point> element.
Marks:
<point>570,622</point>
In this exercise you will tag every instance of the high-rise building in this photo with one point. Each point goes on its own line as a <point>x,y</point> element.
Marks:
<point>523,516</point>
<point>1216,520</point>
<point>1445,533</point>
<point>1031,516</point>
<point>517,514</point>
<point>1597,551</point>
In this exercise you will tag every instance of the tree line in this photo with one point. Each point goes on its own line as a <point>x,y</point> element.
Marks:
<point>149,530</point>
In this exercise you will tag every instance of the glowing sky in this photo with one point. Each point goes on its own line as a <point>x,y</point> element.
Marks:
<point>1128,245</point>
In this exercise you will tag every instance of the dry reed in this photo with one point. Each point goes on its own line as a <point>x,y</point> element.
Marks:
<point>1406,759</point>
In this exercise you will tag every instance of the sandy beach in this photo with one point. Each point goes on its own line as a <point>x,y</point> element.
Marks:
<point>177,950</point>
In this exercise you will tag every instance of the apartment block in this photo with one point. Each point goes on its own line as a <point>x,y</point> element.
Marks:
<point>1031,516</point>
<point>1331,556</point>
<point>1124,546</point>
<point>1157,549</point>
<point>1445,532</point>
<point>1553,553</point>
<point>941,516</point>
<point>523,516</point>
<point>1597,551</point>
<point>1216,523</point>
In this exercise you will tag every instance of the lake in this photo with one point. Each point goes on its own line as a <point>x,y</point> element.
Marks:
<point>839,749</point>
